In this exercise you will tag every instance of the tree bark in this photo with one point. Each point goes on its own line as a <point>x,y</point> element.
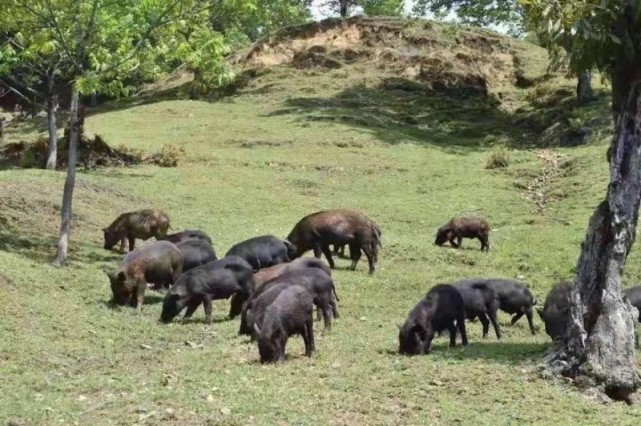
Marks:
<point>584,91</point>
<point>598,347</point>
<point>67,196</point>
<point>52,107</point>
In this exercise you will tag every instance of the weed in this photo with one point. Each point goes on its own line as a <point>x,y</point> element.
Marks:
<point>498,159</point>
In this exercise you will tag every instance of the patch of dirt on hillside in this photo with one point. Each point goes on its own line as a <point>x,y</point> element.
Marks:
<point>425,52</point>
<point>539,190</point>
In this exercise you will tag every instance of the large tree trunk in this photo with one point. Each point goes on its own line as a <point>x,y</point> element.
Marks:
<point>584,90</point>
<point>67,196</point>
<point>52,107</point>
<point>598,347</point>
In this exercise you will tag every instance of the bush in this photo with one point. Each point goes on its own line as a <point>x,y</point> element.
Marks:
<point>498,159</point>
<point>168,156</point>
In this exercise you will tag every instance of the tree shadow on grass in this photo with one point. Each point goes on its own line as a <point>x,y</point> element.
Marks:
<point>43,249</point>
<point>456,120</point>
<point>401,110</point>
<point>511,353</point>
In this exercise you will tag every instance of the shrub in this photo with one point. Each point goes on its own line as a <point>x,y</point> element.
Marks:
<point>168,156</point>
<point>498,159</point>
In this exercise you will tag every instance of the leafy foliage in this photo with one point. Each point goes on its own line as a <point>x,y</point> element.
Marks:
<point>507,13</point>
<point>382,7</point>
<point>600,32</point>
<point>369,7</point>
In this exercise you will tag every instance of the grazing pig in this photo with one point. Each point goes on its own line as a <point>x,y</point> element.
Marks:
<point>515,298</point>
<point>556,310</point>
<point>319,230</point>
<point>288,314</point>
<point>195,252</point>
<point>262,252</point>
<point>634,297</point>
<point>159,263</point>
<point>314,280</point>
<point>464,227</point>
<point>268,274</point>
<point>190,234</point>
<point>219,279</point>
<point>441,309</point>
<point>142,224</point>
<point>480,301</point>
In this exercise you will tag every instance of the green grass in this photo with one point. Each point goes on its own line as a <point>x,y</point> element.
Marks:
<point>256,163</point>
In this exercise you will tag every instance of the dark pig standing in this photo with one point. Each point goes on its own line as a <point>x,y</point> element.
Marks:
<point>556,310</point>
<point>479,300</point>
<point>219,279</point>
<point>441,309</point>
<point>319,230</point>
<point>290,313</point>
<point>142,224</point>
<point>515,299</point>
<point>196,252</point>
<point>264,251</point>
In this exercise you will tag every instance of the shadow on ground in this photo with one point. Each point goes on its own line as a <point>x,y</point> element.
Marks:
<point>43,249</point>
<point>401,110</point>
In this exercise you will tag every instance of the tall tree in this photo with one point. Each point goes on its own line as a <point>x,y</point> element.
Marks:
<point>30,72</point>
<point>598,346</point>
<point>100,43</point>
<point>507,14</point>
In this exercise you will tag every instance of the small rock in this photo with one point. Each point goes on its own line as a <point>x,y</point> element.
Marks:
<point>145,346</point>
<point>225,411</point>
<point>363,318</point>
<point>170,413</point>
<point>436,382</point>
<point>82,398</point>
<point>210,398</point>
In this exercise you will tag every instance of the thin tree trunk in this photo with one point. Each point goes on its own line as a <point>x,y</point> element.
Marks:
<point>598,347</point>
<point>52,107</point>
<point>66,211</point>
<point>343,8</point>
<point>584,91</point>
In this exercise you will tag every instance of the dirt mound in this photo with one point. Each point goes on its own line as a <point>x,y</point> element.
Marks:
<point>92,153</point>
<point>445,58</point>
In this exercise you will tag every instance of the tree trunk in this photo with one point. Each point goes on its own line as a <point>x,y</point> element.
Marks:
<point>67,196</point>
<point>52,107</point>
<point>343,8</point>
<point>598,347</point>
<point>584,90</point>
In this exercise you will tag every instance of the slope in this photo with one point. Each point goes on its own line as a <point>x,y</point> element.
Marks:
<point>290,140</point>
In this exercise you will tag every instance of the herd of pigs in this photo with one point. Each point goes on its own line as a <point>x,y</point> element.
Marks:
<point>274,290</point>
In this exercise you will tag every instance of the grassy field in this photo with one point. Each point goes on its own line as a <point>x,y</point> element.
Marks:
<point>289,143</point>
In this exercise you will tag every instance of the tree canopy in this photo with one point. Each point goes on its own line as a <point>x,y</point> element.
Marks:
<point>505,13</point>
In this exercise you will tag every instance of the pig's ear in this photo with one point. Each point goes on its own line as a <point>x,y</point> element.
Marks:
<point>121,277</point>
<point>257,330</point>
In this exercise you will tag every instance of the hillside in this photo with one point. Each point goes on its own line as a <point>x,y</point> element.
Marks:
<point>397,118</point>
